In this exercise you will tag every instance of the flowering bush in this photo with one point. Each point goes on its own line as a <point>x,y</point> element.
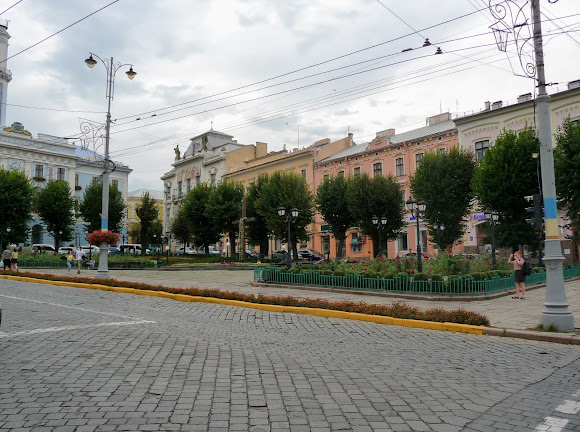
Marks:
<point>99,236</point>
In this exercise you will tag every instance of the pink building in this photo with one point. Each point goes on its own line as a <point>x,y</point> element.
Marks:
<point>388,154</point>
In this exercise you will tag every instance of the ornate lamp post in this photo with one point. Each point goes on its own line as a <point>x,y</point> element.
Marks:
<point>112,69</point>
<point>158,247</point>
<point>492,217</point>
<point>380,224</point>
<point>417,208</point>
<point>512,21</point>
<point>290,217</point>
<point>438,227</point>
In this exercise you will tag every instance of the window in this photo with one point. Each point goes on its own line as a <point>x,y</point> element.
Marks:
<point>95,179</point>
<point>115,183</point>
<point>77,181</point>
<point>39,171</point>
<point>60,173</point>
<point>418,158</point>
<point>377,169</point>
<point>402,244</point>
<point>356,245</point>
<point>212,178</point>
<point>357,171</point>
<point>197,179</point>
<point>400,166</point>
<point>443,150</point>
<point>303,172</point>
<point>326,177</point>
<point>341,173</point>
<point>179,191</point>
<point>480,148</point>
<point>404,192</point>
<point>188,184</point>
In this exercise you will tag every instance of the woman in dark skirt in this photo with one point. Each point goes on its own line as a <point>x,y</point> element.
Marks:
<point>518,262</point>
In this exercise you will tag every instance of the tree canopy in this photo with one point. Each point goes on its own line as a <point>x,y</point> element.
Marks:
<point>224,207</point>
<point>378,196</point>
<point>16,194</point>
<point>503,178</point>
<point>443,182</point>
<point>289,190</point>
<point>55,205</point>
<point>567,167</point>
<point>148,213</point>
<point>201,225</point>
<point>257,230</point>
<point>179,226</point>
<point>331,197</point>
<point>91,206</point>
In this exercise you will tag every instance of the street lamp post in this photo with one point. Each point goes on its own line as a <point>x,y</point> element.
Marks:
<point>112,69</point>
<point>438,226</point>
<point>417,208</point>
<point>380,224</point>
<point>228,249</point>
<point>290,217</point>
<point>492,217</point>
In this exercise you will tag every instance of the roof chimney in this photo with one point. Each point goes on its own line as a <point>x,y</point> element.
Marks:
<point>524,97</point>
<point>439,118</point>
<point>487,106</point>
<point>496,105</point>
<point>573,84</point>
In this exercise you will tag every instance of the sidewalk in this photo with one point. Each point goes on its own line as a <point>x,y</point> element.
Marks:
<point>503,312</point>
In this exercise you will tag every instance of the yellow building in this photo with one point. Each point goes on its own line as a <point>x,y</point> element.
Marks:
<point>245,165</point>
<point>134,199</point>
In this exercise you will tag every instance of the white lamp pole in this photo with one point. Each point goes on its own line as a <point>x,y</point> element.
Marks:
<point>112,68</point>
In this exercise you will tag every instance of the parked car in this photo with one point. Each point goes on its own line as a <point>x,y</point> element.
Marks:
<point>133,248</point>
<point>114,250</point>
<point>42,247</point>
<point>252,254</point>
<point>212,251</point>
<point>65,249</point>
<point>185,251</point>
<point>94,250</point>
<point>309,255</point>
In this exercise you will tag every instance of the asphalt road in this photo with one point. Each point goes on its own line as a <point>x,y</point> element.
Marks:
<point>81,360</point>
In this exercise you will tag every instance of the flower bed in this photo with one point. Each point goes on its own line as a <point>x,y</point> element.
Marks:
<point>396,310</point>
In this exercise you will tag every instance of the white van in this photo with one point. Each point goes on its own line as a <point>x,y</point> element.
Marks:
<point>132,248</point>
<point>42,247</point>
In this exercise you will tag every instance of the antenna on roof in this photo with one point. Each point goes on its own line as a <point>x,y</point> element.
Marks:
<point>211,127</point>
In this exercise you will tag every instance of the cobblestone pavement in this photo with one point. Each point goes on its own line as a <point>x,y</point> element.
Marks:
<point>81,360</point>
<point>503,312</point>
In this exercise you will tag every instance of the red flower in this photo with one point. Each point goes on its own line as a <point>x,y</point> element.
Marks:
<point>412,271</point>
<point>412,265</point>
<point>103,236</point>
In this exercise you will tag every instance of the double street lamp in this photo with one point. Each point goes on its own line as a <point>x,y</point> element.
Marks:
<point>417,208</point>
<point>112,69</point>
<point>492,217</point>
<point>380,224</point>
<point>438,227</point>
<point>290,217</point>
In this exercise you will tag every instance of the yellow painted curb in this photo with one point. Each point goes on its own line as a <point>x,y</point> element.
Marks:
<point>328,313</point>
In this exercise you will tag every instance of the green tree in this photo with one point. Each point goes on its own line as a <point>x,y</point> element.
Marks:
<point>91,206</point>
<point>503,178</point>
<point>443,182</point>
<point>289,190</point>
<point>194,207</point>
<point>147,212</point>
<point>225,207</point>
<point>179,226</point>
<point>567,167</point>
<point>331,197</point>
<point>16,196</point>
<point>55,206</point>
<point>378,196</point>
<point>257,231</point>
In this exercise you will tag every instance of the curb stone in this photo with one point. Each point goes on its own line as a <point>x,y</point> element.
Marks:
<point>570,339</point>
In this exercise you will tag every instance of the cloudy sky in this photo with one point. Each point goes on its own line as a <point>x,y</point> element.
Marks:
<point>283,72</point>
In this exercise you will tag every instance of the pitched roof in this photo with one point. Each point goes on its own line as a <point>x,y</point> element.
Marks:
<point>156,195</point>
<point>351,151</point>
<point>423,132</point>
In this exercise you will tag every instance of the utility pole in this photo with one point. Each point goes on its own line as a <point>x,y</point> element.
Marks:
<point>556,312</point>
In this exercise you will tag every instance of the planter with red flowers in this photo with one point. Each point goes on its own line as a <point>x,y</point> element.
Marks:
<point>99,237</point>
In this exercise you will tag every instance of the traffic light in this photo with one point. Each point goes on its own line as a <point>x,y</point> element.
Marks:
<point>536,210</point>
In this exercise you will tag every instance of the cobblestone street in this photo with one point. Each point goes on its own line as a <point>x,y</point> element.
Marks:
<point>82,360</point>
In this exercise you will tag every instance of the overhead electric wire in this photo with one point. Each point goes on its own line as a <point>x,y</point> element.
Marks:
<point>6,10</point>
<point>52,109</point>
<point>60,31</point>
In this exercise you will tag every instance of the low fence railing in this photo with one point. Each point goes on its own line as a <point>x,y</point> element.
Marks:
<point>452,285</point>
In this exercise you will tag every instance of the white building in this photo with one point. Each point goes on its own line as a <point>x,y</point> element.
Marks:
<point>203,161</point>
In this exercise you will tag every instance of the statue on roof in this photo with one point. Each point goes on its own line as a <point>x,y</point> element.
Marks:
<point>177,153</point>
<point>204,143</point>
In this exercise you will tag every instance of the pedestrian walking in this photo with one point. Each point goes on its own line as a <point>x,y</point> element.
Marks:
<point>69,258</point>
<point>80,255</point>
<point>7,258</point>
<point>14,259</point>
<point>518,262</point>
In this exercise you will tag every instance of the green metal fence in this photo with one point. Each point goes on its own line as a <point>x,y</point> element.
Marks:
<point>457,285</point>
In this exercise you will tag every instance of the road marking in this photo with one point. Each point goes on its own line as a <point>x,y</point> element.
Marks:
<point>577,394</point>
<point>73,327</point>
<point>67,307</point>
<point>551,424</point>
<point>569,407</point>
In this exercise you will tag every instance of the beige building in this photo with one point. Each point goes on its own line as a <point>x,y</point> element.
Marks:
<point>134,199</point>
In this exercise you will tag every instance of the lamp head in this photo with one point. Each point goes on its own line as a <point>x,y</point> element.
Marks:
<point>294,212</point>
<point>495,217</point>
<point>8,229</point>
<point>281,211</point>
<point>421,206</point>
<point>383,220</point>
<point>487,214</point>
<point>131,73</point>
<point>91,62</point>
<point>375,220</point>
<point>411,203</point>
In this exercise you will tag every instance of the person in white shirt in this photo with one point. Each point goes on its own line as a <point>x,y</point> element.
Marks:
<point>80,254</point>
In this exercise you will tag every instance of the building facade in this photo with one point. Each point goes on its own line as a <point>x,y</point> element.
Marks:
<point>478,132</point>
<point>134,199</point>
<point>47,158</point>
